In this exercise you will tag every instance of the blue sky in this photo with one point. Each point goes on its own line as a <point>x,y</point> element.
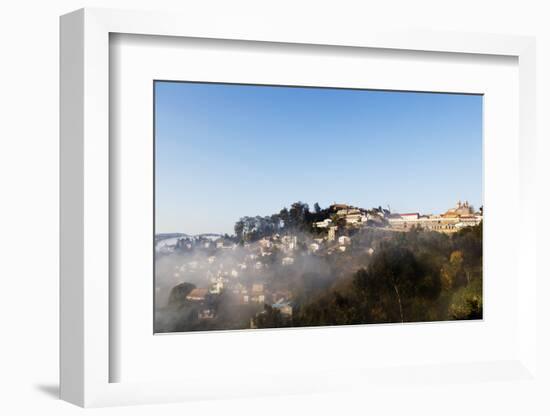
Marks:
<point>226,151</point>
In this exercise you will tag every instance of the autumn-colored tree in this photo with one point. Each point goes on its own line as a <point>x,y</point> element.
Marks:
<point>452,273</point>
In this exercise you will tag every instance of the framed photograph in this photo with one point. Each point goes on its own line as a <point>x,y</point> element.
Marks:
<point>269,211</point>
<point>251,257</point>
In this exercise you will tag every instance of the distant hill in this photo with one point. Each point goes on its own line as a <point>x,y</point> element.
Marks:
<point>166,242</point>
<point>164,236</point>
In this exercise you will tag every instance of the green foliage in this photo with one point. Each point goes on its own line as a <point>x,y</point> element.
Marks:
<point>467,302</point>
<point>412,276</point>
<point>383,276</point>
<point>179,293</point>
<point>297,218</point>
<point>270,318</point>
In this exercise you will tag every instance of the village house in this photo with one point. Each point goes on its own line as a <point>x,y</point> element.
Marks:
<point>238,288</point>
<point>323,224</point>
<point>281,295</point>
<point>337,207</point>
<point>206,314</point>
<point>265,243</point>
<point>332,233</point>
<point>257,288</point>
<point>287,261</point>
<point>313,247</point>
<point>217,287</point>
<point>284,307</point>
<point>358,218</point>
<point>256,294</point>
<point>344,240</point>
<point>290,242</point>
<point>462,215</point>
<point>197,295</point>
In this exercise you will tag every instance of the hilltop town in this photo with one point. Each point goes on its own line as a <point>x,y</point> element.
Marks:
<point>272,267</point>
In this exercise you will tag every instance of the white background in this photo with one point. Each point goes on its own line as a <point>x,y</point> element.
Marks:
<point>29,207</point>
<point>137,61</point>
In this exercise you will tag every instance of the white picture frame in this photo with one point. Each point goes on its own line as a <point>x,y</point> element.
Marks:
<point>86,355</point>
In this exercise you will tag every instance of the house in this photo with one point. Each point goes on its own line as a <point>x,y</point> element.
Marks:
<point>313,247</point>
<point>217,287</point>
<point>289,242</point>
<point>355,218</point>
<point>281,296</point>
<point>257,288</point>
<point>284,307</point>
<point>206,314</point>
<point>323,224</point>
<point>332,233</point>
<point>287,261</point>
<point>238,288</point>
<point>265,243</point>
<point>336,207</point>
<point>197,295</point>
<point>257,294</point>
<point>344,240</point>
<point>410,216</point>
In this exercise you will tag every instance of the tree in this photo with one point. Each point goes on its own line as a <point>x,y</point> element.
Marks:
<point>298,214</point>
<point>317,208</point>
<point>239,229</point>
<point>179,293</point>
<point>467,302</point>
<point>452,274</point>
<point>393,283</point>
<point>269,318</point>
<point>284,216</point>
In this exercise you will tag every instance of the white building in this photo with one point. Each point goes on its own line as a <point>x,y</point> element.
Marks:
<point>412,216</point>
<point>284,307</point>
<point>313,247</point>
<point>287,261</point>
<point>323,224</point>
<point>344,240</point>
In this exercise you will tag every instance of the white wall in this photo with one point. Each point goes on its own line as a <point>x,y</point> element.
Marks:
<point>29,207</point>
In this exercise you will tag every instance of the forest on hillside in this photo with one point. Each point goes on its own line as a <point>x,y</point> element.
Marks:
<point>412,276</point>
